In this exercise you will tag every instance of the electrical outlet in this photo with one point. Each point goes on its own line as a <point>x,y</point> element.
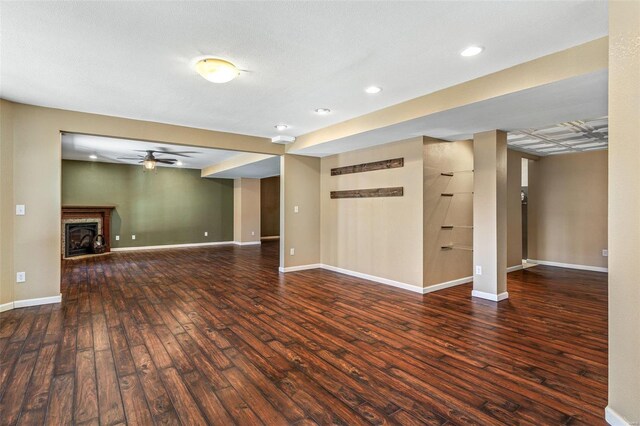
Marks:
<point>133,237</point>
<point>605,253</point>
<point>117,237</point>
<point>478,270</point>
<point>253,233</point>
<point>292,251</point>
<point>21,210</point>
<point>21,277</point>
<point>206,234</point>
<point>296,209</point>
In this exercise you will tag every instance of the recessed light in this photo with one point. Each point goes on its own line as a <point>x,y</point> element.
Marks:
<point>281,127</point>
<point>472,51</point>
<point>373,90</point>
<point>93,157</point>
<point>322,111</point>
<point>216,70</point>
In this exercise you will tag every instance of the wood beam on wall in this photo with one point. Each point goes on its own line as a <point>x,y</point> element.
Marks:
<point>369,193</point>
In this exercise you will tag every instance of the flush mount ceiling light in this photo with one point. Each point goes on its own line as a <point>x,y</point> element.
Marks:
<point>179,163</point>
<point>216,70</point>
<point>281,127</point>
<point>373,90</point>
<point>93,157</point>
<point>472,51</point>
<point>322,111</point>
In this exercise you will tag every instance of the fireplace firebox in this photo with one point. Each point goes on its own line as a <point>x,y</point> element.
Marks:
<point>79,238</point>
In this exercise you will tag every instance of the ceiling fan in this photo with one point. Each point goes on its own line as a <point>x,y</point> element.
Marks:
<point>149,161</point>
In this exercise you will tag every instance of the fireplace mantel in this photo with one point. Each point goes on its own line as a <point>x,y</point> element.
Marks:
<point>89,212</point>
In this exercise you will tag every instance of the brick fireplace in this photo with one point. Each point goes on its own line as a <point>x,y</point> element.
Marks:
<point>81,223</point>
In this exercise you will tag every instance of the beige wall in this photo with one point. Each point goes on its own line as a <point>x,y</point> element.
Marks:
<point>299,186</point>
<point>6,203</point>
<point>568,208</point>
<point>376,236</point>
<point>246,210</point>
<point>36,182</point>
<point>439,156</point>
<point>514,208</point>
<point>624,210</point>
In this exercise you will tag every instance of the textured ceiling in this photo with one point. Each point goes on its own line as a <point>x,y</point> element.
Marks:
<point>562,138</point>
<point>132,59</point>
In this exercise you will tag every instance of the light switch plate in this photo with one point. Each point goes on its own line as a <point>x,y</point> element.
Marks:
<point>605,253</point>
<point>292,252</point>
<point>117,237</point>
<point>21,277</point>
<point>206,234</point>
<point>133,237</point>
<point>478,270</point>
<point>21,210</point>
<point>295,209</point>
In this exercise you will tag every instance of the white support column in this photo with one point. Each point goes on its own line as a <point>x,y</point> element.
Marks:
<point>490,215</point>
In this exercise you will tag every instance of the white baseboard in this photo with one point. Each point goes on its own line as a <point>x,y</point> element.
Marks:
<point>6,306</point>
<point>300,268</point>
<point>273,237</point>
<point>442,286</point>
<point>380,280</point>
<point>615,419</point>
<point>569,265</point>
<point>169,246</point>
<point>38,301</point>
<point>514,268</point>
<point>490,296</point>
<point>247,243</point>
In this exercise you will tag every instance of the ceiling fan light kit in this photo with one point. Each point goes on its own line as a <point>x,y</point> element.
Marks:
<point>149,164</point>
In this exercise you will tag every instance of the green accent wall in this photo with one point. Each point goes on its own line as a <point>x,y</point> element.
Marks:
<point>166,206</point>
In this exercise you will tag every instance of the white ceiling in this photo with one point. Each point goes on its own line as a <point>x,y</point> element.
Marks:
<point>567,100</point>
<point>258,169</point>
<point>110,150</point>
<point>131,59</point>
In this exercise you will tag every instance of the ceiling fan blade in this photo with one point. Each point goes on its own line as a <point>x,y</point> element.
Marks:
<point>162,150</point>
<point>129,158</point>
<point>179,153</point>
<point>166,161</point>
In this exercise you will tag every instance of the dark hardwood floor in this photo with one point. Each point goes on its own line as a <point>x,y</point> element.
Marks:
<point>216,336</point>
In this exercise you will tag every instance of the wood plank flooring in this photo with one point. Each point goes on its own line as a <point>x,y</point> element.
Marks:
<point>216,336</point>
